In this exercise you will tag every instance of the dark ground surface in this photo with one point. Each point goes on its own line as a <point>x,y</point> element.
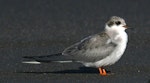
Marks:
<point>44,27</point>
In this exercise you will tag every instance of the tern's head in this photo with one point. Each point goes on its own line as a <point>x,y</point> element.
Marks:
<point>116,22</point>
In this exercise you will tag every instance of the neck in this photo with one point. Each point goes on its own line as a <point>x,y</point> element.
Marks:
<point>116,33</point>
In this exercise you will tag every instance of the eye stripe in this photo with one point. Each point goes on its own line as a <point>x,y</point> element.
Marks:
<point>110,24</point>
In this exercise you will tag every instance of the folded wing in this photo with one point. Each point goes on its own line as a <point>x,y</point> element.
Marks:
<point>91,49</point>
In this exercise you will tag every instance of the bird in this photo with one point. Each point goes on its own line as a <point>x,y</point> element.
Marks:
<point>102,49</point>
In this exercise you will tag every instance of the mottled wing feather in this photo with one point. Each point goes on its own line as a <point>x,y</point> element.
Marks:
<point>91,49</point>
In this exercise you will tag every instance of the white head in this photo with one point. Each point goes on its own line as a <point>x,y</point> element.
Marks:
<point>116,23</point>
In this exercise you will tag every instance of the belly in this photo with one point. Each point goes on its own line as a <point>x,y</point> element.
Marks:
<point>113,57</point>
<point>109,60</point>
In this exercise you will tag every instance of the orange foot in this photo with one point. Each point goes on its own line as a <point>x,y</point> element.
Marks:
<point>102,71</point>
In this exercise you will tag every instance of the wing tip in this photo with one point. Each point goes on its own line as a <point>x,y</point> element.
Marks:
<point>31,62</point>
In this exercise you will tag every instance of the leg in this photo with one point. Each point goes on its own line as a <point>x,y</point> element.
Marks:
<point>102,71</point>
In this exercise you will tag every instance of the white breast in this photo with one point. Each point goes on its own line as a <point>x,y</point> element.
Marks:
<point>121,40</point>
<point>113,57</point>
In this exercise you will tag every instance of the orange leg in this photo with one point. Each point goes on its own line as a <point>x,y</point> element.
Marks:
<point>102,71</point>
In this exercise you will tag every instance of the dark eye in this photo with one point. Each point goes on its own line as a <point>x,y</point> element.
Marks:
<point>118,23</point>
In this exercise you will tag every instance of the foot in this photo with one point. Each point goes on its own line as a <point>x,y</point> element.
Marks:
<point>102,71</point>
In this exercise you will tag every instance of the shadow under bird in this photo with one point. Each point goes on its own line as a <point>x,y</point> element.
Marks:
<point>98,50</point>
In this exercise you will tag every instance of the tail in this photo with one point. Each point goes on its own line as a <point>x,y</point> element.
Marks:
<point>46,59</point>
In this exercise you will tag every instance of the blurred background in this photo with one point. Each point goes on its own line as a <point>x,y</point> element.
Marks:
<point>44,27</point>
